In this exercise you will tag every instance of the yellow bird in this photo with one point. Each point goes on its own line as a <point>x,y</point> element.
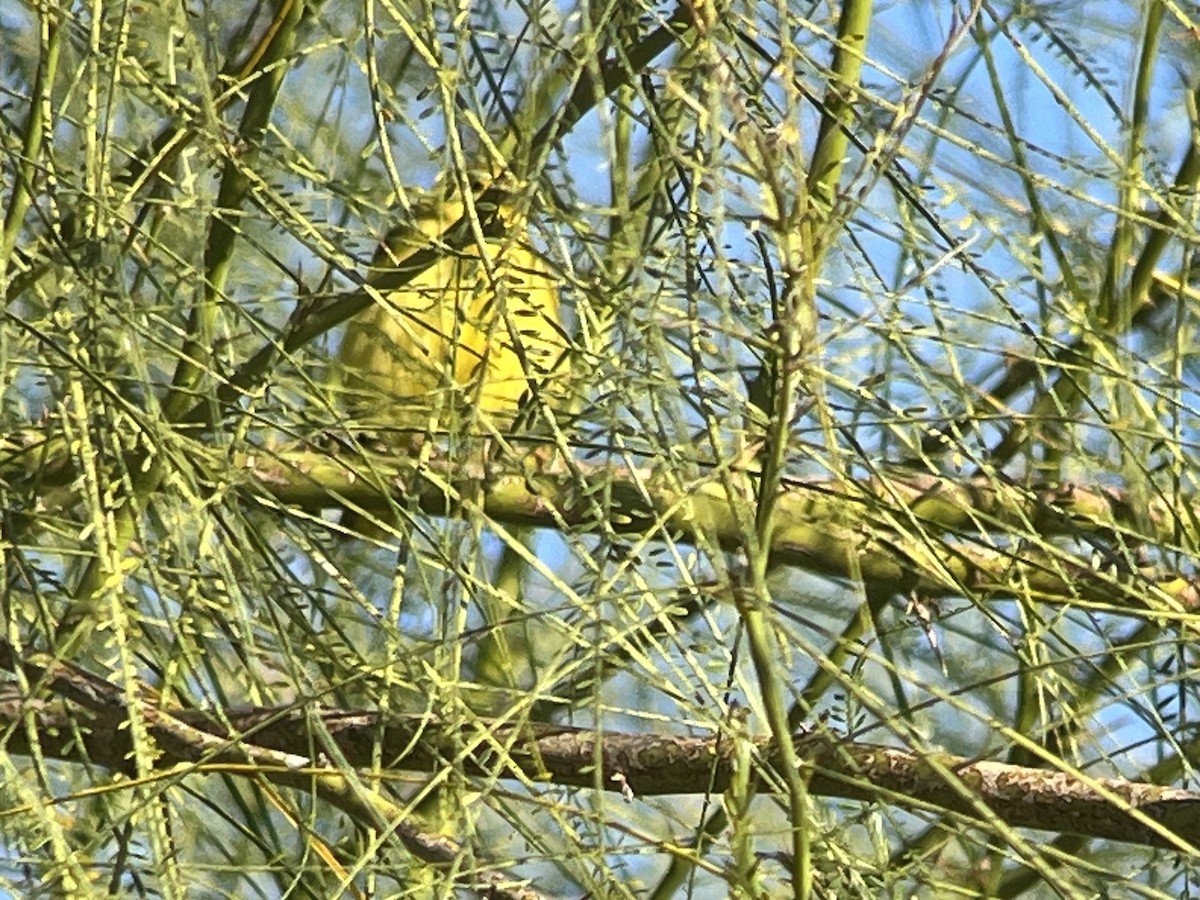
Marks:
<point>464,342</point>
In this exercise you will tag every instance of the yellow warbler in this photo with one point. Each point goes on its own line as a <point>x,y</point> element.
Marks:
<point>462,341</point>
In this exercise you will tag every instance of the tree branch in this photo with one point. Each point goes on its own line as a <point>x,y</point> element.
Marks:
<point>633,764</point>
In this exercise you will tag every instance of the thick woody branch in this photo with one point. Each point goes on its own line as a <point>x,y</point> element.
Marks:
<point>634,764</point>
